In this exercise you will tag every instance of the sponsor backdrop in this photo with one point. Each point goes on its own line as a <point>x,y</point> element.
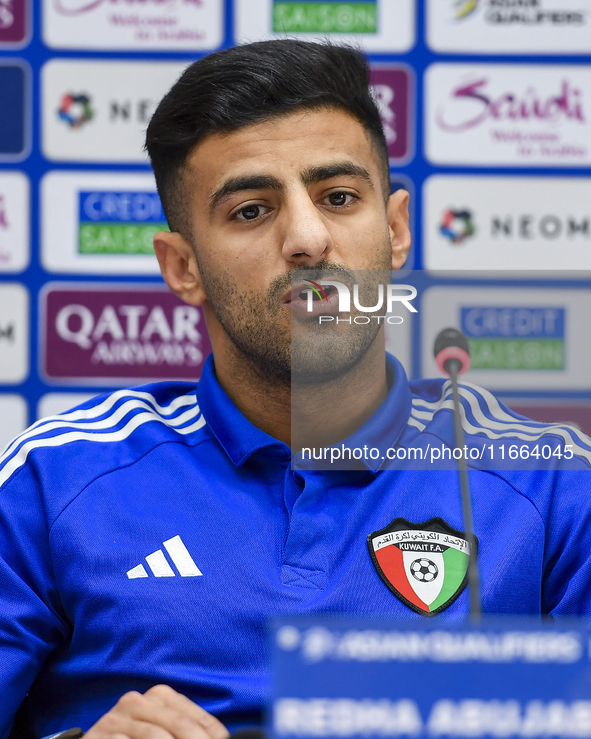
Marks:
<point>486,107</point>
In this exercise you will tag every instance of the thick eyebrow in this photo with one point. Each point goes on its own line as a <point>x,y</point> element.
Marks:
<point>247,182</point>
<point>338,169</point>
<point>310,176</point>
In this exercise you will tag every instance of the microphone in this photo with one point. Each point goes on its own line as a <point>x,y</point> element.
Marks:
<point>452,356</point>
<point>451,351</point>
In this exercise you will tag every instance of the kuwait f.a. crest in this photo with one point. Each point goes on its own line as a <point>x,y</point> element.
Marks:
<point>425,564</point>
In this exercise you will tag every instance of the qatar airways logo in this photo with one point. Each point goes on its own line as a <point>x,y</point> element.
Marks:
<point>478,105</point>
<point>79,7</point>
<point>116,332</point>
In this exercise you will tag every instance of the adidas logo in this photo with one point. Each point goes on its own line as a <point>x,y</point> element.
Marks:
<point>158,563</point>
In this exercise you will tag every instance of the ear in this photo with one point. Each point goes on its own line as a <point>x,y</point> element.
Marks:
<point>397,213</point>
<point>179,266</point>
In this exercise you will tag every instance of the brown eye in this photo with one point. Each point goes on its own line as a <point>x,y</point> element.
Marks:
<point>250,212</point>
<point>338,198</point>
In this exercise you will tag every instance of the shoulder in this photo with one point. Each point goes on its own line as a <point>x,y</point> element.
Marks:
<point>69,450</point>
<point>486,420</point>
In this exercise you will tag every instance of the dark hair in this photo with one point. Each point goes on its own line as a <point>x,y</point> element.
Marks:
<point>248,84</point>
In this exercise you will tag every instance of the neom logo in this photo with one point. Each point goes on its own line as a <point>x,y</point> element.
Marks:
<point>509,106</point>
<point>123,333</point>
<point>126,111</point>
<point>458,225</point>
<point>549,227</point>
<point>75,109</point>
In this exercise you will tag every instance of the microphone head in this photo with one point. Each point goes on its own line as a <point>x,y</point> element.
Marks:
<point>450,337</point>
<point>451,348</point>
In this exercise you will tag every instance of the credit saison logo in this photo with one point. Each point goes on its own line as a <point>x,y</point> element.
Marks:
<point>315,293</point>
<point>563,105</point>
<point>515,337</point>
<point>325,16</point>
<point>519,13</point>
<point>118,222</point>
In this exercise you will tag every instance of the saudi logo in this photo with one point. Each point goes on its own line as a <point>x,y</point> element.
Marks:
<point>425,565</point>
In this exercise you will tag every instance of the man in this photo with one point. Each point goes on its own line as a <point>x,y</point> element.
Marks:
<point>270,161</point>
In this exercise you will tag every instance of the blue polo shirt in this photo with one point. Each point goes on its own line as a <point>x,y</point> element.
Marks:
<point>147,536</point>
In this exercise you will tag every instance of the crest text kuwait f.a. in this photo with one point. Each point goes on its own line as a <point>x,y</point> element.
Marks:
<point>425,564</point>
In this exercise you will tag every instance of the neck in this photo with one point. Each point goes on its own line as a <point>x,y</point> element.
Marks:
<point>327,413</point>
<point>315,415</point>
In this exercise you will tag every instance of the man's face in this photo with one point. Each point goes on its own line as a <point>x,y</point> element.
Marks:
<point>298,192</point>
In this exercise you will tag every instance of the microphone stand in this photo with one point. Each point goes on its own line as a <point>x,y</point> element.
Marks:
<point>453,366</point>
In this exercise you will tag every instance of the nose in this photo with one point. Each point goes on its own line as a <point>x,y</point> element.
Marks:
<point>306,237</point>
